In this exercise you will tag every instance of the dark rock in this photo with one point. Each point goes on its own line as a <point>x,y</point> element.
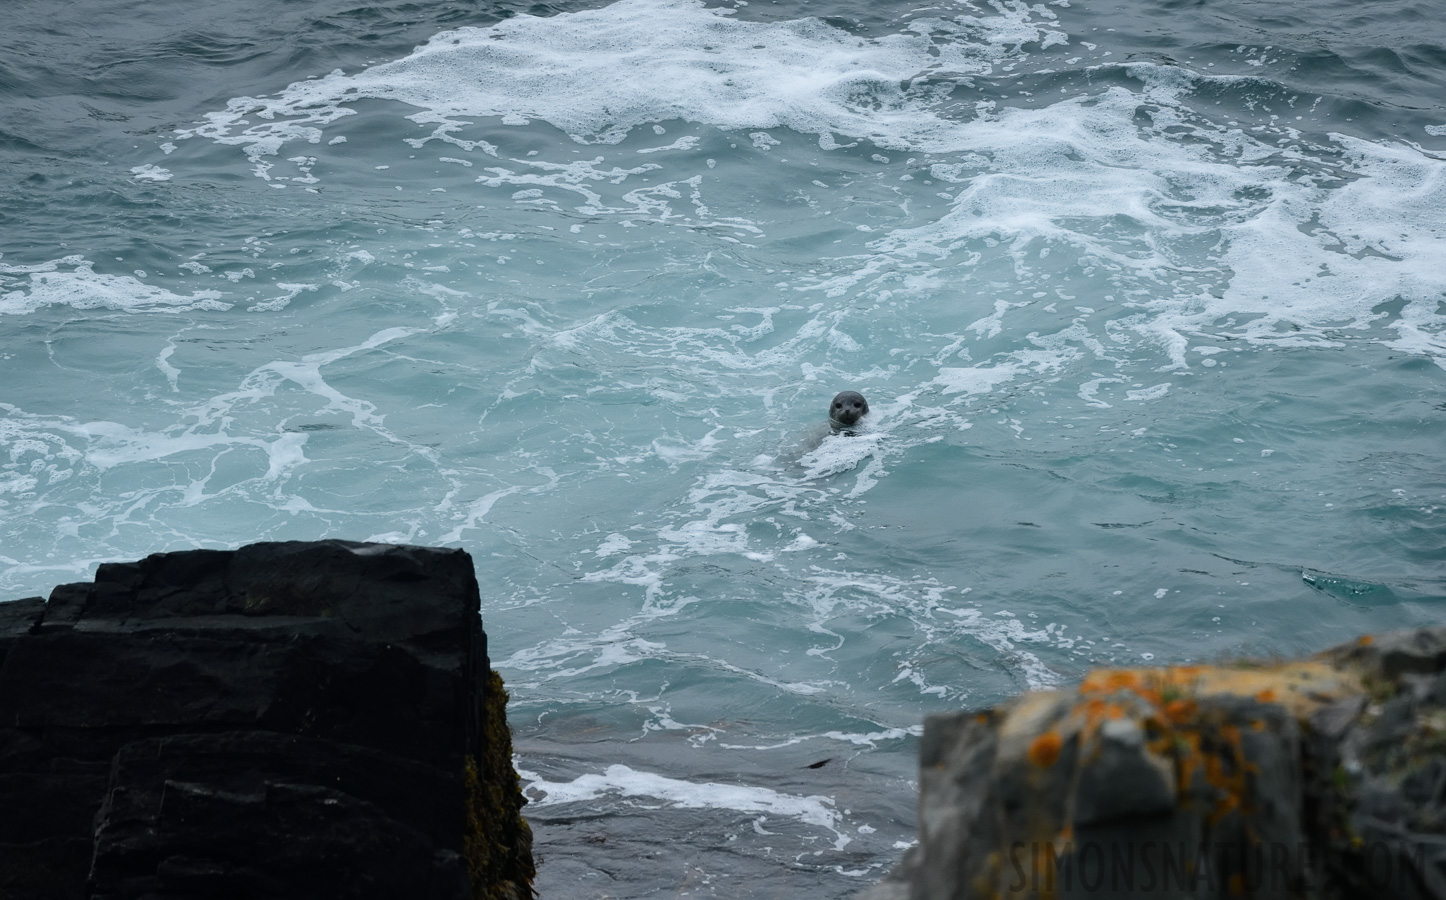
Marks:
<point>1420,651</point>
<point>286,720</point>
<point>282,799</point>
<point>18,617</point>
<point>1124,778</point>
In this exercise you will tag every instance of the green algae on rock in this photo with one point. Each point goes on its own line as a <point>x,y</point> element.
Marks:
<point>497,843</point>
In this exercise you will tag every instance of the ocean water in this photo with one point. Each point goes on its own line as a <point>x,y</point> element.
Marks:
<point>1148,300</point>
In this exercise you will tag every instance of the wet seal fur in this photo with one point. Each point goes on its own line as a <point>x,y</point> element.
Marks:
<point>847,408</point>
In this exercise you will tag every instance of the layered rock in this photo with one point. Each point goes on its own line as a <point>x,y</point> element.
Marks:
<point>286,720</point>
<point>1323,777</point>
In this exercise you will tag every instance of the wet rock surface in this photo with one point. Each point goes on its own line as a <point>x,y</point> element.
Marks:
<point>1323,777</point>
<point>286,720</point>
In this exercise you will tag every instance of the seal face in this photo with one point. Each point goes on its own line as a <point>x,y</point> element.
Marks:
<point>846,409</point>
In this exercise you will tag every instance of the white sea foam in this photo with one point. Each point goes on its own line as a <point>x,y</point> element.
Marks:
<point>615,543</point>
<point>597,74</point>
<point>153,173</point>
<point>272,304</point>
<point>683,143</point>
<point>624,781</point>
<point>842,453</point>
<point>71,281</point>
<point>112,444</point>
<point>975,379</point>
<point>924,601</point>
<point>207,453</point>
<point>1298,252</point>
<point>865,739</point>
<point>476,512</point>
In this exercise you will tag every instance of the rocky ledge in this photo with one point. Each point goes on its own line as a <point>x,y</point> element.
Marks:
<point>288,720</point>
<point>1324,777</point>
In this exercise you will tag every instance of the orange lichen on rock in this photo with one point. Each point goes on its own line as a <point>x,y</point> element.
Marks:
<point>1169,703</point>
<point>1044,750</point>
<point>1186,732</point>
<point>1180,711</point>
<point>1299,686</point>
<point>1109,681</point>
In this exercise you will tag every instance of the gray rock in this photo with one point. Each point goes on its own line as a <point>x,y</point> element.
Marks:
<point>1322,778</point>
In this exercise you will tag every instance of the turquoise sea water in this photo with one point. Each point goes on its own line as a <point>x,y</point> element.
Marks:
<point>1149,302</point>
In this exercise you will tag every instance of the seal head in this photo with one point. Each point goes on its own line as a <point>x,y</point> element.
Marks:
<point>846,410</point>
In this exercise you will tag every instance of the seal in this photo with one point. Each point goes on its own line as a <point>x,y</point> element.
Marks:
<point>845,419</point>
<point>846,410</point>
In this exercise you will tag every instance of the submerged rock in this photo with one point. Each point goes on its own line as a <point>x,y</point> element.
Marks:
<point>1322,778</point>
<point>288,720</point>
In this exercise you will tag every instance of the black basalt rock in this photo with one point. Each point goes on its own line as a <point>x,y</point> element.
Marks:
<point>287,720</point>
